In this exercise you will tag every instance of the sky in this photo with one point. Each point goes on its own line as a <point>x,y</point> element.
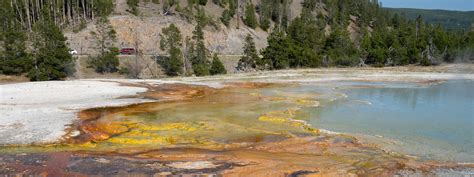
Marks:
<point>463,5</point>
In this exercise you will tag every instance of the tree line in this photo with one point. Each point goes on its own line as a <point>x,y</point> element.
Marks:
<point>350,33</point>
<point>63,13</point>
<point>196,59</point>
<point>32,39</point>
<point>41,52</point>
<point>379,39</point>
<point>48,57</point>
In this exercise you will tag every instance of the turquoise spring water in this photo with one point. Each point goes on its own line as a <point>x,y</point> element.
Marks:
<point>434,121</point>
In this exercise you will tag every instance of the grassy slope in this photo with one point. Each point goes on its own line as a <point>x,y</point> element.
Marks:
<point>451,20</point>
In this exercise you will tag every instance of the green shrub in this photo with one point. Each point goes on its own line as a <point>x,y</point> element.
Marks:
<point>14,59</point>
<point>265,24</point>
<point>173,65</point>
<point>171,41</point>
<point>123,71</point>
<point>347,61</point>
<point>216,66</point>
<point>52,60</point>
<point>201,69</point>
<point>250,18</point>
<point>250,57</point>
<point>226,17</point>
<point>425,61</point>
<point>276,54</point>
<point>106,62</point>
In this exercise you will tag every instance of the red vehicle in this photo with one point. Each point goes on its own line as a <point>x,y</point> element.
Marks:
<point>127,51</point>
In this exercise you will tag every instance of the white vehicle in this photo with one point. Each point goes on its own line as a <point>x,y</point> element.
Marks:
<point>72,52</point>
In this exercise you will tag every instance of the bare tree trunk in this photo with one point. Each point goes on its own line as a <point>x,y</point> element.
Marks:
<point>69,15</point>
<point>238,14</point>
<point>74,15</point>
<point>83,9</point>
<point>27,10</point>
<point>187,68</point>
<point>138,68</point>
<point>153,75</point>
<point>19,13</point>
<point>37,8</point>
<point>137,72</point>
<point>53,8</point>
<point>92,10</point>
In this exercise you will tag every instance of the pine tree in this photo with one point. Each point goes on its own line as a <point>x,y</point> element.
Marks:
<point>307,30</point>
<point>216,66</point>
<point>51,58</point>
<point>106,62</point>
<point>171,41</point>
<point>284,15</point>
<point>340,49</point>
<point>465,47</point>
<point>14,58</point>
<point>102,8</point>
<point>188,55</point>
<point>265,13</point>
<point>276,54</point>
<point>306,35</point>
<point>229,12</point>
<point>199,59</point>
<point>365,47</point>
<point>170,37</point>
<point>250,18</point>
<point>250,58</point>
<point>226,17</point>
<point>105,36</point>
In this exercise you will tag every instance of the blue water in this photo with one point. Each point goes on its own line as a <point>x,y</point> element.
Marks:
<point>429,121</point>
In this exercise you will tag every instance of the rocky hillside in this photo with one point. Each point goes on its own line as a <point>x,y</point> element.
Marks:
<point>144,29</point>
<point>276,34</point>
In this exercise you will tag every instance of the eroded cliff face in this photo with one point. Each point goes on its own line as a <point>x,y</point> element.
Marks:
<point>143,32</point>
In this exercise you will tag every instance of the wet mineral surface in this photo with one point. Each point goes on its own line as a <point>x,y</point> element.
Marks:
<point>241,129</point>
